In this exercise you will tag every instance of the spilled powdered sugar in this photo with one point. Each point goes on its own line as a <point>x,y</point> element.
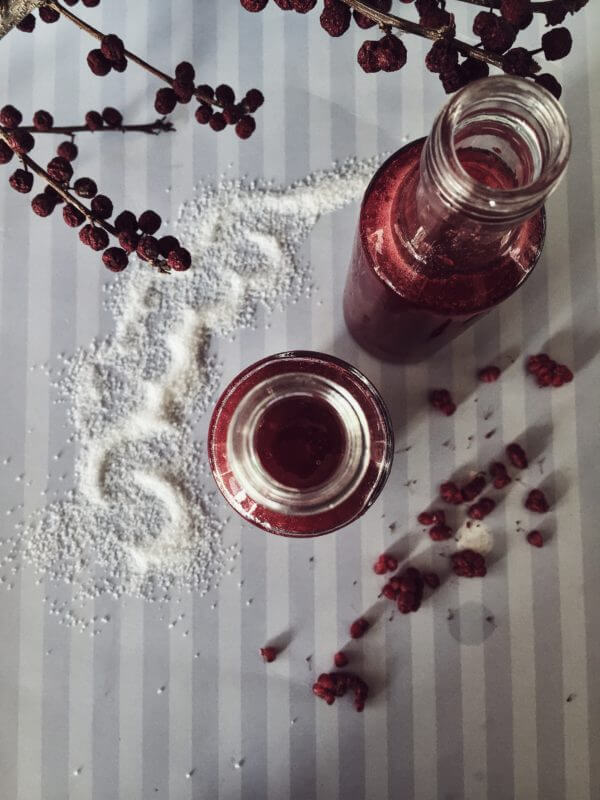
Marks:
<point>139,521</point>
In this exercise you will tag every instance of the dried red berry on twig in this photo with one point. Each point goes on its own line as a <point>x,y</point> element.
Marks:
<point>21,181</point>
<point>112,117</point>
<point>147,248</point>
<point>27,24</point>
<point>496,33</point>
<point>335,18</point>
<point>43,120</point>
<point>94,120</point>
<point>437,516</point>
<point>102,206</point>
<point>126,221</point>
<point>468,564</point>
<point>60,169</point>
<point>10,117</point>
<point>409,590</point>
<point>22,142</point>
<point>72,216</point>
<point>98,63</point>
<point>67,150</point>
<point>536,501</point>
<point>85,187</point>
<point>557,43</point>
<point>519,61</point>
<point>112,48</point>
<point>245,127</point>
<point>129,240</point>
<point>165,100</point>
<point>42,205</point>
<point>48,14</point>
<point>149,222</point>
<point>115,259</point>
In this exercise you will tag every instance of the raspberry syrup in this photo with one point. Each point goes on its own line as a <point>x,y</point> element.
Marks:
<point>300,444</point>
<point>453,224</point>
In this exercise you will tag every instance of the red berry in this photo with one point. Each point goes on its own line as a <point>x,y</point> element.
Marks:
<point>517,12</point>
<point>112,48</point>
<point>233,114</point>
<point>85,187</point>
<point>425,518</point>
<point>535,539</point>
<point>184,92</point>
<point>391,562</point>
<point>42,205</point>
<point>98,63</point>
<point>225,94</point>
<point>410,590</point>
<point>536,501</point>
<point>97,238</point>
<point>380,567</point>
<point>165,100</point>
<point>245,127</point>
<point>389,591</point>
<point>10,117</point>
<point>472,69</point>
<point>129,239</point>
<point>431,579</point>
<point>303,6</point>
<point>48,14</point>
<point>6,153</point>
<point>166,244</point>
<point>253,100</point>
<point>94,120</point>
<point>43,120</point>
<point>90,3</point>
<point>269,654</point>
<point>147,248</point>
<point>481,508</point>
<point>557,43</point>
<point>473,488</point>
<point>254,5</point>
<point>496,34</point>
<point>60,169</point>
<point>489,374</point>
<point>450,493</point>
<point>217,121</point>
<point>126,221</point>
<point>102,206</point>
<point>72,216</point>
<point>21,141</point>
<point>53,195</point>
<point>120,66</point>
<point>500,477</point>
<point>335,18</point>
<point>358,628</point>
<point>442,56</point>
<point>203,113</point>
<point>21,181</point>
<point>204,93</point>
<point>468,564</point>
<point>27,24</point>
<point>115,259</point>
<point>340,660</point>
<point>391,53</point>
<point>441,399</point>
<point>149,222</point>
<point>452,79</point>
<point>366,22</point>
<point>185,72</point>
<point>67,150</point>
<point>112,117</point>
<point>440,533</point>
<point>367,56</point>
<point>519,61</point>
<point>179,259</point>
<point>517,456</point>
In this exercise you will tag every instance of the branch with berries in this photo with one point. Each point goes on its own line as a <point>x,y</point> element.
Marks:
<point>497,33</point>
<point>134,234</point>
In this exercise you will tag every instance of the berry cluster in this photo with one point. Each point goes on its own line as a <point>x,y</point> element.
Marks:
<point>468,564</point>
<point>480,509</point>
<point>385,563</point>
<point>330,685</point>
<point>496,28</point>
<point>548,372</point>
<point>442,400</point>
<point>405,589</point>
<point>49,14</point>
<point>135,234</point>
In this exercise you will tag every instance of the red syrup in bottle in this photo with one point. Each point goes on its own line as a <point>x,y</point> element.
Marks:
<point>300,444</point>
<point>453,224</point>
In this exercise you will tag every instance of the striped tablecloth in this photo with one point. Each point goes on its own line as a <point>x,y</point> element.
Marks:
<point>462,707</point>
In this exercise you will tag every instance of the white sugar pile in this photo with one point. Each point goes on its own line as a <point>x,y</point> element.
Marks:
<point>138,521</point>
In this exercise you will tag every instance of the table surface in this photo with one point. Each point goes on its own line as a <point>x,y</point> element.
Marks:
<point>462,707</point>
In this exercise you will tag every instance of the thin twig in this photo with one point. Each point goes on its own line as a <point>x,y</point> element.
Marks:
<point>29,163</point>
<point>152,128</point>
<point>131,56</point>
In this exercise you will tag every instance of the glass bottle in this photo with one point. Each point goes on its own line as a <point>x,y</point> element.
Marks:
<point>453,224</point>
<point>300,443</point>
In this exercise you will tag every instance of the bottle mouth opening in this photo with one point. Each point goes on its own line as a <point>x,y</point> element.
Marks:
<point>523,131</point>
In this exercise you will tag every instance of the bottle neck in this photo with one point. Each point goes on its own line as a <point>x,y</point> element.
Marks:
<point>494,155</point>
<point>247,462</point>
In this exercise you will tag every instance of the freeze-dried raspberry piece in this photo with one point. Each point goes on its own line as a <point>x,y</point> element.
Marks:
<point>468,564</point>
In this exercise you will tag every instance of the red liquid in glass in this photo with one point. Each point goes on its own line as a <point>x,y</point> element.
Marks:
<point>300,441</point>
<point>402,304</point>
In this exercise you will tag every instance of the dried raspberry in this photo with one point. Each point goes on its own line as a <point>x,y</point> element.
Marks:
<point>269,654</point>
<point>564,373</point>
<point>500,476</point>
<point>166,244</point>
<point>367,56</point>
<point>253,100</point>
<point>21,141</point>
<point>42,205</point>
<point>179,259</point>
<point>489,374</point>
<point>48,14</point>
<point>67,150</point>
<point>21,181</point>
<point>149,222</point>
<point>185,72</point>
<point>481,508</point>
<point>440,533</point>
<point>225,94</point>
<point>129,239</point>
<point>535,539</point>
<point>366,22</point>
<point>102,206</point>
<point>340,660</point>
<point>323,693</point>
<point>304,6</point>
<point>473,488</point>
<point>27,24</point>
<point>217,121</point>
<point>442,400</point>
<point>410,584</point>
<point>254,5</point>
<point>147,248</point>
<point>358,628</point>
<point>468,564</point>
<point>43,120</point>
<point>115,259</point>
<point>442,56</point>
<point>425,518</point>
<point>517,12</point>
<point>519,61</point>
<point>326,681</point>
<point>557,43</point>
<point>183,92</point>
<point>97,238</point>
<point>165,100</point>
<point>85,187</point>
<point>72,216</point>
<point>10,117</point>
<point>452,79</point>
<point>112,48</point>
<point>60,169</point>
<point>53,195</point>
<point>5,152</point>
<point>204,93</point>
<point>94,120</point>
<point>450,493</point>
<point>517,456</point>
<point>380,567</point>
<point>98,63</point>
<point>391,53</point>
<point>537,362</point>
<point>389,591</point>
<point>335,18</point>
<point>203,114</point>
<point>112,117</point>
<point>472,69</point>
<point>431,579</point>
<point>536,501</point>
<point>496,33</point>
<point>245,127</point>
